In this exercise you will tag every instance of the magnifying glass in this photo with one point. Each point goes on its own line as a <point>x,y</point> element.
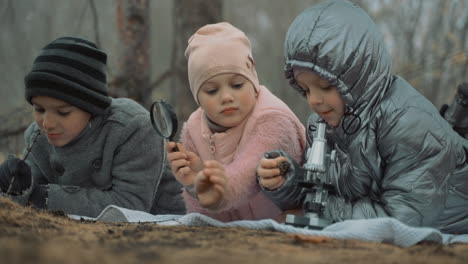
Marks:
<point>164,120</point>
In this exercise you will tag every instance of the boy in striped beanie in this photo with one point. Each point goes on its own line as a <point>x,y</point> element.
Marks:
<point>73,70</point>
<point>82,154</point>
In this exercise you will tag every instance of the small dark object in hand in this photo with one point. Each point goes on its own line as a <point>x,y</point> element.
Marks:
<point>283,167</point>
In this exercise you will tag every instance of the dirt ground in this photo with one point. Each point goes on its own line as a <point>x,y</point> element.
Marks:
<point>31,236</point>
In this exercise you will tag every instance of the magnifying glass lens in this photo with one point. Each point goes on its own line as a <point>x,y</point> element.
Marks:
<point>162,120</point>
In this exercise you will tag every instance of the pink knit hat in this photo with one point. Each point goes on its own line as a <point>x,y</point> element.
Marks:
<point>216,49</point>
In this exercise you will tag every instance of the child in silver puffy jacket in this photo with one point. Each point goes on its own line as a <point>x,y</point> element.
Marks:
<point>395,155</point>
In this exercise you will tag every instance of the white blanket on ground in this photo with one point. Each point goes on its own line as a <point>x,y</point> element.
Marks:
<point>386,230</point>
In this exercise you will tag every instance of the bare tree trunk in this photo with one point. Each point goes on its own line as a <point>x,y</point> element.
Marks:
<point>430,44</point>
<point>132,79</point>
<point>13,125</point>
<point>188,17</point>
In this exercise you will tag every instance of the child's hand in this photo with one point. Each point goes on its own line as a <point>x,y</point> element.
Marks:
<point>184,164</point>
<point>210,184</point>
<point>17,173</point>
<point>269,173</point>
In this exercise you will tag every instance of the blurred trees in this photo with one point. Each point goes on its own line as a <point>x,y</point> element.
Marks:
<point>133,77</point>
<point>188,16</point>
<point>429,43</point>
<point>133,26</point>
<point>146,40</point>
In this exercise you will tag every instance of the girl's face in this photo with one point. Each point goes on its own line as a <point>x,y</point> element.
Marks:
<point>227,99</point>
<point>323,98</point>
<point>58,120</point>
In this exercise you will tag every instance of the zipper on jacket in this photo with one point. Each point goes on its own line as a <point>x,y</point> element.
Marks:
<point>212,146</point>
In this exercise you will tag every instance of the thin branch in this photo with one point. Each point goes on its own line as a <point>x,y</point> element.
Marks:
<point>81,19</point>
<point>175,20</point>
<point>8,10</point>
<point>96,31</point>
<point>95,22</point>
<point>449,59</point>
<point>15,121</point>
<point>14,131</point>
<point>159,80</point>
<point>5,9</point>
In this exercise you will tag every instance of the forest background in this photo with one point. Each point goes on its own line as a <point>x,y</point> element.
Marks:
<point>145,41</point>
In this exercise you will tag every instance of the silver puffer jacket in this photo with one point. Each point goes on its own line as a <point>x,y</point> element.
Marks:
<point>396,156</point>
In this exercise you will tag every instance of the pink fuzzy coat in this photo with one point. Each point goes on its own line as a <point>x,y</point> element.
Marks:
<point>271,125</point>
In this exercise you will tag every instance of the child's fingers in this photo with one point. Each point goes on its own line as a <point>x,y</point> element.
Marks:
<point>202,184</point>
<point>183,172</point>
<point>280,158</point>
<point>210,199</point>
<point>270,167</point>
<point>185,176</point>
<point>195,162</point>
<point>271,183</point>
<point>272,163</point>
<point>268,173</point>
<point>191,155</point>
<point>213,164</point>
<point>218,180</point>
<point>178,164</point>
<point>170,146</point>
<point>268,163</point>
<point>202,179</point>
<point>212,196</point>
<point>213,171</point>
<point>220,189</point>
<point>173,156</point>
<point>181,148</point>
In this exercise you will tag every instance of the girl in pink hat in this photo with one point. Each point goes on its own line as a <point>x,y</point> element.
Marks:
<point>237,122</point>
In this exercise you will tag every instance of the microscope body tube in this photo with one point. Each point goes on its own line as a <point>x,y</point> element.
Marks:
<point>315,183</point>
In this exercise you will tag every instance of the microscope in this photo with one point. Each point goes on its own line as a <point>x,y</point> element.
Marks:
<point>316,184</point>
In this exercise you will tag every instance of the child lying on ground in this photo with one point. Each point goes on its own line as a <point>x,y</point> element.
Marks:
<point>238,120</point>
<point>396,156</point>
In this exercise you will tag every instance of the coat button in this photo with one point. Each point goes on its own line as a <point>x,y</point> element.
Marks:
<point>59,169</point>
<point>213,149</point>
<point>97,164</point>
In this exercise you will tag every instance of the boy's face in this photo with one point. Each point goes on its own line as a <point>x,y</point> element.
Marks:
<point>58,120</point>
<point>323,98</point>
<point>227,99</point>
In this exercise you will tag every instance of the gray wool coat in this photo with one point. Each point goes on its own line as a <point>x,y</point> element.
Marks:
<point>117,159</point>
<point>400,158</point>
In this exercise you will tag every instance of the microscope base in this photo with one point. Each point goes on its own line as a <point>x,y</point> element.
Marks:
<point>314,222</point>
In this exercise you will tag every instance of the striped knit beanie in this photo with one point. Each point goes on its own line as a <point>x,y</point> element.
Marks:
<point>73,70</point>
